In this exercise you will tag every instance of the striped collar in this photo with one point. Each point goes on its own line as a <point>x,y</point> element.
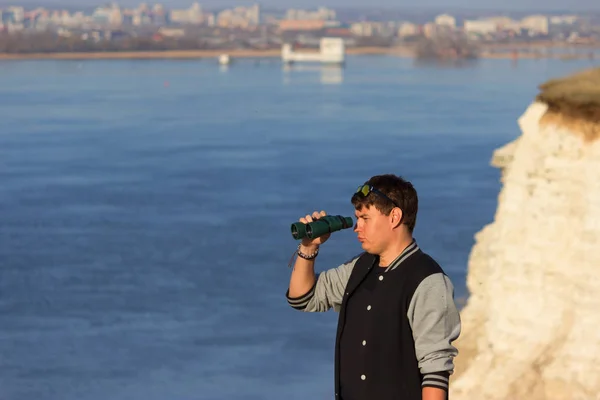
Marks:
<point>411,249</point>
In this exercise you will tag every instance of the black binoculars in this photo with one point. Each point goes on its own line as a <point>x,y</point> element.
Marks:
<point>320,227</point>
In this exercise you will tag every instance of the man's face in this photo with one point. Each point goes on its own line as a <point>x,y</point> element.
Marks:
<point>373,229</point>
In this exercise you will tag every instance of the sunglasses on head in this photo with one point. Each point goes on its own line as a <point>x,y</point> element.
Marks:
<point>366,189</point>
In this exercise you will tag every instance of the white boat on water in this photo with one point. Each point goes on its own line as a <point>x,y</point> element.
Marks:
<point>331,51</point>
<point>224,59</point>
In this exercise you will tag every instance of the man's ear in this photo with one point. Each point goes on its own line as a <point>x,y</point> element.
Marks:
<point>396,216</point>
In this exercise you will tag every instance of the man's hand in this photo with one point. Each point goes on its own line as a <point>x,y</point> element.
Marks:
<point>431,393</point>
<point>303,274</point>
<point>314,243</point>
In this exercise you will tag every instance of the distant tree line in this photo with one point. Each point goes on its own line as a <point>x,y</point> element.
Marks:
<point>53,43</point>
<point>446,47</point>
<point>50,42</point>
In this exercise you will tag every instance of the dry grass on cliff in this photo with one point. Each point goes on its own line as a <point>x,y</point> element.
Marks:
<point>574,102</point>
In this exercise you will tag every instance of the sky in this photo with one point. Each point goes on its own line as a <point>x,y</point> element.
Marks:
<point>516,5</point>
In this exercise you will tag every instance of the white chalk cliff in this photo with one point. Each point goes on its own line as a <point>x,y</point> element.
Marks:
<point>531,326</point>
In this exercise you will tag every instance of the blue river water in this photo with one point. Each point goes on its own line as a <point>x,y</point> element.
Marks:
<point>145,210</point>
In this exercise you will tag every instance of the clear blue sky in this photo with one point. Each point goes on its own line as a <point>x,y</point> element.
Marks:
<point>516,5</point>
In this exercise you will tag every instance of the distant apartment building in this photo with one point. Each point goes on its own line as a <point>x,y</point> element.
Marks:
<point>408,29</point>
<point>430,29</point>
<point>78,19</point>
<point>192,15</point>
<point>536,24</point>
<point>501,22</point>
<point>211,19</point>
<point>563,20</point>
<point>364,28</point>
<point>239,17</point>
<point>159,14</point>
<point>111,16</point>
<point>446,20</point>
<point>101,15</point>
<point>63,17</point>
<point>374,29</point>
<point>321,13</point>
<point>12,19</point>
<point>14,15</point>
<point>481,27</point>
<point>490,25</point>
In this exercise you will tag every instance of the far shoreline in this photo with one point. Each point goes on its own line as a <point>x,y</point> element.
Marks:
<point>176,54</point>
<point>404,52</point>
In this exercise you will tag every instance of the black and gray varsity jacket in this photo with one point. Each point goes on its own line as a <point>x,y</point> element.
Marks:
<point>396,325</point>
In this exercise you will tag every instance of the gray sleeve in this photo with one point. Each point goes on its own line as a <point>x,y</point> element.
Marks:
<point>435,322</point>
<point>327,292</point>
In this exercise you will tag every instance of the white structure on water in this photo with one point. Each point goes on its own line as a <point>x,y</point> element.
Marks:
<point>224,59</point>
<point>332,51</point>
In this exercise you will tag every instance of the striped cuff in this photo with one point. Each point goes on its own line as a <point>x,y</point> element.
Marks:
<point>300,303</point>
<point>438,380</point>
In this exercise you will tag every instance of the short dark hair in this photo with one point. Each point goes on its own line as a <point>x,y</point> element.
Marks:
<point>397,189</point>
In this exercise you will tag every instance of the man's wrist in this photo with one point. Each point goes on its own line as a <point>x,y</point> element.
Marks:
<point>308,249</point>
<point>307,252</point>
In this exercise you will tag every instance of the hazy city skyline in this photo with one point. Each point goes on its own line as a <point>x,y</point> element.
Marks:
<point>508,5</point>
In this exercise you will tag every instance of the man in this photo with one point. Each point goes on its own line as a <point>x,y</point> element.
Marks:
<point>397,316</point>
